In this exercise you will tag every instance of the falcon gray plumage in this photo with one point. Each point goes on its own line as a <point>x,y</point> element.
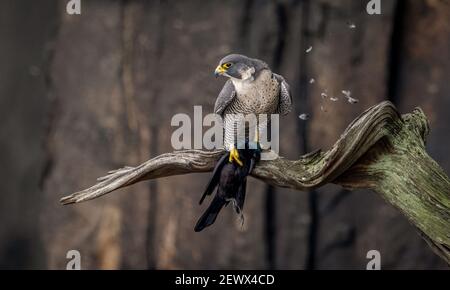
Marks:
<point>252,88</point>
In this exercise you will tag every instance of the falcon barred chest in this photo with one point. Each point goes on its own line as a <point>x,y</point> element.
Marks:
<point>260,96</point>
<point>252,88</point>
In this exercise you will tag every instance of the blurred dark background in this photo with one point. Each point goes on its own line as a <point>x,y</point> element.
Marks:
<point>84,94</point>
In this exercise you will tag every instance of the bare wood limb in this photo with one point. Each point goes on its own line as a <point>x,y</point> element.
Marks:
<point>379,150</point>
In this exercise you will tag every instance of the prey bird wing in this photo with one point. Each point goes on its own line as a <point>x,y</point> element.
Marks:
<point>225,97</point>
<point>285,103</point>
<point>210,215</point>
<point>215,177</point>
<point>228,181</point>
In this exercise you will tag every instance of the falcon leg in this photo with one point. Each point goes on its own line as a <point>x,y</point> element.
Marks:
<point>256,135</point>
<point>256,144</point>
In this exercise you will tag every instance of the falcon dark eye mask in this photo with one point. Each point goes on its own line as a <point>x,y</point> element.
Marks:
<point>233,72</point>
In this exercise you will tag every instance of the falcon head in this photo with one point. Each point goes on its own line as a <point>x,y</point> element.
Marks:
<point>239,67</point>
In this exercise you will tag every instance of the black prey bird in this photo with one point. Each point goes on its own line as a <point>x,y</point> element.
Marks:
<point>231,182</point>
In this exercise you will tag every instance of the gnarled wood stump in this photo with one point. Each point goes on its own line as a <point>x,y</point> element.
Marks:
<point>380,150</point>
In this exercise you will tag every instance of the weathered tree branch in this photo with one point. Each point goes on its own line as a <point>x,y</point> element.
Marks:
<point>379,150</point>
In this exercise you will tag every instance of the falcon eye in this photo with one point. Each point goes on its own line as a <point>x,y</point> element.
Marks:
<point>226,65</point>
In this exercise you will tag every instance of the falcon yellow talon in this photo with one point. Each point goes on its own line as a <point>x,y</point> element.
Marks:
<point>234,155</point>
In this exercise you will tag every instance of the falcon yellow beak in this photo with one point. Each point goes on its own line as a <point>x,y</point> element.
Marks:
<point>219,70</point>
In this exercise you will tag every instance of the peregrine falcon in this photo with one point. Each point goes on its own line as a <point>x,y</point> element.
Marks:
<point>251,88</point>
